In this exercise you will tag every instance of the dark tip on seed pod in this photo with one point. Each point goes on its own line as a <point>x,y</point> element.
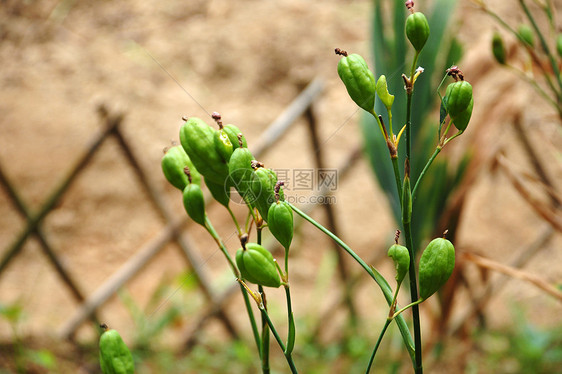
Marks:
<point>397,236</point>
<point>240,140</point>
<point>218,119</point>
<point>257,164</point>
<point>409,5</point>
<point>188,173</point>
<point>243,240</point>
<point>104,326</point>
<point>455,72</point>
<point>277,188</point>
<point>340,52</point>
<point>445,234</point>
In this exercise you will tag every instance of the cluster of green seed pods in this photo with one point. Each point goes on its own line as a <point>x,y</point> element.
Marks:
<point>115,357</point>
<point>256,265</point>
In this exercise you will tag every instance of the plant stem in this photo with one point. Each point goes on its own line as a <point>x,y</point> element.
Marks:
<point>221,245</point>
<point>397,177</point>
<point>544,46</point>
<point>291,334</point>
<point>384,287</point>
<point>264,328</point>
<point>414,296</point>
<point>236,272</point>
<point>425,168</point>
<point>418,367</point>
<point>288,356</point>
<point>379,340</point>
<point>234,220</point>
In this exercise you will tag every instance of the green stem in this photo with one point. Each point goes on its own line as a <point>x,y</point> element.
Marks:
<point>218,240</point>
<point>544,46</point>
<point>384,287</point>
<point>236,272</point>
<point>288,356</point>
<point>291,334</point>
<point>414,296</point>
<point>397,177</point>
<point>418,367</point>
<point>379,340</point>
<point>265,330</point>
<point>234,220</point>
<point>255,331</point>
<point>419,301</point>
<point>425,168</point>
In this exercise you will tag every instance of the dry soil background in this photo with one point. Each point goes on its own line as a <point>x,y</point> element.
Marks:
<point>247,60</point>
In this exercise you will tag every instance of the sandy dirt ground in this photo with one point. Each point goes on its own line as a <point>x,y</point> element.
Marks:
<point>247,60</point>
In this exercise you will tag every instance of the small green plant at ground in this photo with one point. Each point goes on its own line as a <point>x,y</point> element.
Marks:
<point>219,158</point>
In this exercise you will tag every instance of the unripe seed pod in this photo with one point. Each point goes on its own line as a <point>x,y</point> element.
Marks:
<point>232,132</point>
<point>382,90</point>
<point>280,223</point>
<point>194,203</point>
<point>417,30</point>
<point>220,192</point>
<point>197,139</point>
<point>436,266</point>
<point>498,48</point>
<point>462,119</point>
<point>256,264</point>
<point>559,45</point>
<point>173,163</point>
<point>223,145</point>
<point>358,80</point>
<point>241,172</point>
<point>401,258</point>
<point>459,95</point>
<point>262,186</point>
<point>115,357</point>
<point>526,34</point>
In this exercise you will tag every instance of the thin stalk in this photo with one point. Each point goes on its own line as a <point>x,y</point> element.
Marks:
<point>238,229</point>
<point>425,168</point>
<point>264,328</point>
<point>385,289</point>
<point>221,245</point>
<point>379,340</point>
<point>291,333</point>
<point>397,177</point>
<point>255,331</point>
<point>236,272</point>
<point>418,367</point>
<point>419,301</point>
<point>544,45</point>
<point>288,356</point>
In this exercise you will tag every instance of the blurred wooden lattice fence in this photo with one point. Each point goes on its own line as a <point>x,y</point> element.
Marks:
<point>88,305</point>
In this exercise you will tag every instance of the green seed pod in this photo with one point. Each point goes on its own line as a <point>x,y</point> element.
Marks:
<point>223,145</point>
<point>115,357</point>
<point>417,30</point>
<point>232,132</point>
<point>436,266</point>
<point>559,45</point>
<point>280,223</point>
<point>498,48</point>
<point>263,195</point>
<point>358,80</point>
<point>459,95</point>
<point>401,258</point>
<point>220,192</point>
<point>382,90</point>
<point>194,203</point>
<point>256,264</point>
<point>173,163</point>
<point>197,139</point>
<point>526,34</point>
<point>241,172</point>
<point>462,119</point>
